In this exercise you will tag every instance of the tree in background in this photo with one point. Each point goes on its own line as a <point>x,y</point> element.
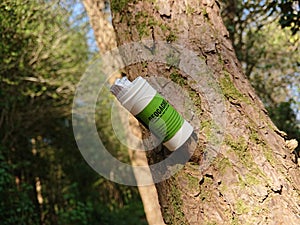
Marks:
<point>266,40</point>
<point>99,14</point>
<point>42,57</point>
<point>43,178</point>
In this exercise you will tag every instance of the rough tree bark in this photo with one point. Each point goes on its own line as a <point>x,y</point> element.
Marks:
<point>253,179</point>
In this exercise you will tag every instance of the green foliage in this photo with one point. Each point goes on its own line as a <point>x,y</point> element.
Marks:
<point>74,210</point>
<point>16,205</point>
<point>118,5</point>
<point>131,213</point>
<point>289,14</point>
<point>43,177</point>
<point>105,129</point>
<point>230,91</point>
<point>266,40</point>
<point>285,118</point>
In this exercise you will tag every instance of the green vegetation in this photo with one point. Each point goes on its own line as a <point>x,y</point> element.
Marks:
<point>230,91</point>
<point>285,118</point>
<point>44,52</point>
<point>43,177</point>
<point>16,205</point>
<point>171,37</point>
<point>204,13</point>
<point>118,6</point>
<point>175,76</point>
<point>223,164</point>
<point>205,193</point>
<point>176,202</point>
<point>174,215</point>
<point>268,153</point>
<point>241,207</point>
<point>211,223</point>
<point>240,147</point>
<point>189,9</point>
<point>265,36</point>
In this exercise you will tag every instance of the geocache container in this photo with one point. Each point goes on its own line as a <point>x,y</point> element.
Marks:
<point>153,111</point>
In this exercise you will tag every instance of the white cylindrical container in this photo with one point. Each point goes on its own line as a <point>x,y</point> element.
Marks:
<point>153,111</point>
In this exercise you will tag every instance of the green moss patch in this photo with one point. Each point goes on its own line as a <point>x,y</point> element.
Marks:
<point>230,91</point>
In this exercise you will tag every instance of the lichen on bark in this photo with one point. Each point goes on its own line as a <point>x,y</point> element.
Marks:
<point>251,178</point>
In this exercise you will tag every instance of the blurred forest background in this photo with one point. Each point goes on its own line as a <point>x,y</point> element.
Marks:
<point>45,47</point>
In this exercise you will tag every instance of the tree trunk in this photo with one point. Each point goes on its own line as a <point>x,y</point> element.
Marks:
<point>103,30</point>
<point>252,179</point>
<point>106,41</point>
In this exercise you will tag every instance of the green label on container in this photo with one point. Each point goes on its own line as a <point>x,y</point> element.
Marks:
<point>161,118</point>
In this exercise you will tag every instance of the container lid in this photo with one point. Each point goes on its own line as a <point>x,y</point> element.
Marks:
<point>120,86</point>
